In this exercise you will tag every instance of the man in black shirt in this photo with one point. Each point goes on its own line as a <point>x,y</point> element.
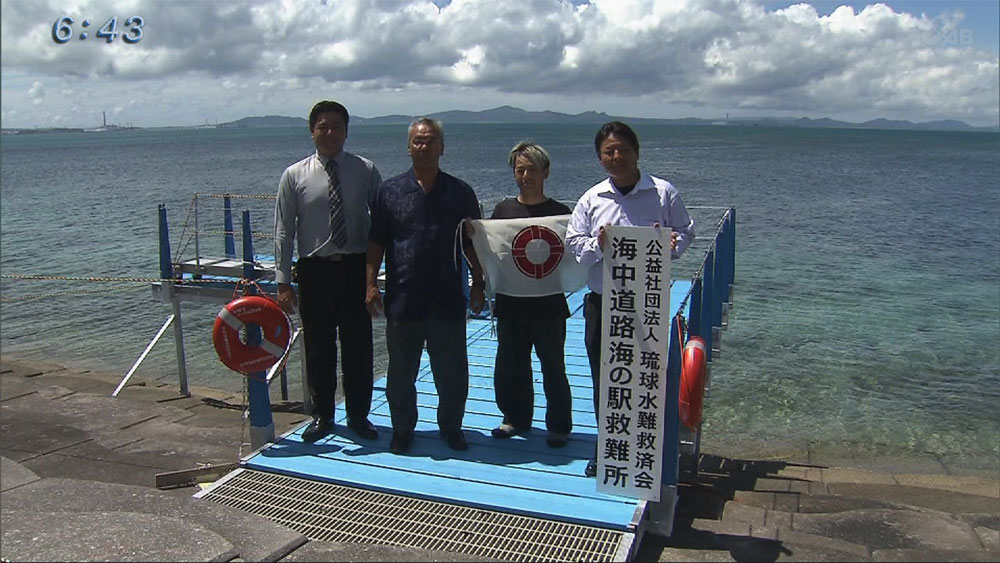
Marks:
<point>523,322</point>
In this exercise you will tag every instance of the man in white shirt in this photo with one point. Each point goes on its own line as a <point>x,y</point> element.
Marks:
<point>627,197</point>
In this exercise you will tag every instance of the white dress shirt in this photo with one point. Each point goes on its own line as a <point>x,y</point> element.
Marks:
<point>652,201</point>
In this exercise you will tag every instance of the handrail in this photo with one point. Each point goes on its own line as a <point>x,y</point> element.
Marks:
<point>701,269</point>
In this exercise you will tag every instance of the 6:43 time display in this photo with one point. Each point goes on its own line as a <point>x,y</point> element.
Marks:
<point>62,29</point>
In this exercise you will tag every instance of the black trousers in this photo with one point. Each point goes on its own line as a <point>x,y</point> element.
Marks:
<point>512,376</point>
<point>332,304</point>
<point>445,340</point>
<point>592,338</point>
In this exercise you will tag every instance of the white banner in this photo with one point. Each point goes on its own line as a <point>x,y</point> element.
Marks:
<point>635,333</point>
<point>527,257</point>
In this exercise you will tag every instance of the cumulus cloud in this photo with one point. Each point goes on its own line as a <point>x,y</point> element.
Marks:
<point>718,53</point>
<point>36,93</point>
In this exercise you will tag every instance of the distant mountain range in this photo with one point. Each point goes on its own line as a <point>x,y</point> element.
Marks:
<point>513,115</point>
<point>509,114</point>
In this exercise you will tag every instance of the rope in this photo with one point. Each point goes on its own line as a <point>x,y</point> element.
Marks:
<point>187,236</point>
<point>8,299</point>
<point>681,330</point>
<point>210,209</point>
<point>238,234</point>
<point>182,244</point>
<point>235,196</point>
<point>456,243</point>
<point>711,247</point>
<point>40,277</point>
<point>244,418</point>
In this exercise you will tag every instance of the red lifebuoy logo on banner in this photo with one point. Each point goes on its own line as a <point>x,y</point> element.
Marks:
<point>537,251</point>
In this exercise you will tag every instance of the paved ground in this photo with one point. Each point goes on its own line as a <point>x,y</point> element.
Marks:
<point>78,470</point>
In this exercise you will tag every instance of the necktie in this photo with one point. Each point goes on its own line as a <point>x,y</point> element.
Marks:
<point>338,225</point>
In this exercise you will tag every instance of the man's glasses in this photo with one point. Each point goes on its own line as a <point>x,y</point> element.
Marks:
<point>424,141</point>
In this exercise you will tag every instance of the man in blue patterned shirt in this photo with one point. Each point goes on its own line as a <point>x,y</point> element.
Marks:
<point>415,223</point>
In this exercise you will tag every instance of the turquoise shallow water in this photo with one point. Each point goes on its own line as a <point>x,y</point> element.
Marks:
<point>867,318</point>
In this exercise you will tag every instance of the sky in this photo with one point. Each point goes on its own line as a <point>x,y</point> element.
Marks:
<point>194,62</point>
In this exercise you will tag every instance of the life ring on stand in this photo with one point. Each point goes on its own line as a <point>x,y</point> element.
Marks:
<point>692,382</point>
<point>275,327</point>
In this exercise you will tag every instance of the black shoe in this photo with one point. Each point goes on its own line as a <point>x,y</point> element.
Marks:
<point>318,428</point>
<point>363,428</point>
<point>505,431</point>
<point>400,443</point>
<point>456,440</point>
<point>556,439</point>
<point>591,470</point>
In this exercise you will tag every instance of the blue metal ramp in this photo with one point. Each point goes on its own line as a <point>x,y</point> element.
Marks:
<point>521,475</point>
<point>515,499</point>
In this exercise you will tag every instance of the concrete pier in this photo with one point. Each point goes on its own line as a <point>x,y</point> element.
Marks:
<point>79,473</point>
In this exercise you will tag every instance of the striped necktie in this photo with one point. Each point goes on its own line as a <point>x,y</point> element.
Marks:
<point>338,225</point>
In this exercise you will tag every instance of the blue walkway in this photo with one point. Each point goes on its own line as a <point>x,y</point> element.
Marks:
<point>521,475</point>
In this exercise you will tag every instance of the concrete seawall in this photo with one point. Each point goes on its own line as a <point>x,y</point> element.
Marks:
<point>79,473</point>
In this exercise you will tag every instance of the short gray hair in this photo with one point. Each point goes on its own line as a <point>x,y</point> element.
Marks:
<point>533,152</point>
<point>432,123</point>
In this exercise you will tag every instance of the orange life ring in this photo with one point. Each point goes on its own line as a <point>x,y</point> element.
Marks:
<point>275,328</point>
<point>692,382</point>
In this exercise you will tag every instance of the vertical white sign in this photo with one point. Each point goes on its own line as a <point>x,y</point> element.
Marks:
<point>635,333</point>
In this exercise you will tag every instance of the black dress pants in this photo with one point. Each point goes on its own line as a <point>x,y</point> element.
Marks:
<point>592,338</point>
<point>446,349</point>
<point>332,304</point>
<point>512,376</point>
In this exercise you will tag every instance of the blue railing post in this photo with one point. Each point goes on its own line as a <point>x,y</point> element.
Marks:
<point>167,273</point>
<point>230,237</point>
<point>707,298</point>
<point>721,278</point>
<point>660,515</point>
<point>166,264</point>
<point>722,262</point>
<point>732,253</point>
<point>671,438</point>
<point>694,313</point>
<point>261,421</point>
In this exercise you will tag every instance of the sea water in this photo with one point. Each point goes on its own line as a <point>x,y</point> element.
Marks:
<point>866,322</point>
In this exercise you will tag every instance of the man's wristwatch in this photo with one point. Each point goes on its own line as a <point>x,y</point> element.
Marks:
<point>481,284</point>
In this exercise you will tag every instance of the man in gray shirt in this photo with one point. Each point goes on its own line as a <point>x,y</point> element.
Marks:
<point>323,203</point>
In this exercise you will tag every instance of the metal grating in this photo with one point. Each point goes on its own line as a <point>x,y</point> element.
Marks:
<point>328,512</point>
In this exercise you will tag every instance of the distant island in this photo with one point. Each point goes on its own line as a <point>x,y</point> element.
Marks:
<point>513,115</point>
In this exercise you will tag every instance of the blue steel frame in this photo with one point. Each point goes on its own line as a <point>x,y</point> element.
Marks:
<point>711,291</point>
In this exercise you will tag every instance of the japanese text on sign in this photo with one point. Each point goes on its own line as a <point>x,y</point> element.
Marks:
<point>635,331</point>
